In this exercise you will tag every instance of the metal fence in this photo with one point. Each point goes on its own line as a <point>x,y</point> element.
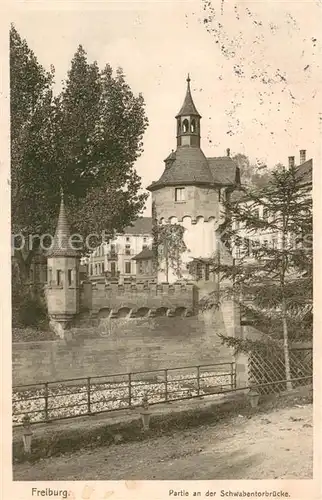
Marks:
<point>88,396</point>
<point>267,369</point>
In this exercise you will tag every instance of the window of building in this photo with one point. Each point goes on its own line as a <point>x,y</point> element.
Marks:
<point>199,271</point>
<point>58,277</point>
<point>127,249</point>
<point>113,250</point>
<point>193,125</point>
<point>91,270</point>
<point>265,214</point>
<point>179,194</point>
<point>141,270</point>
<point>207,272</point>
<point>128,267</point>
<point>127,238</point>
<point>113,268</point>
<point>185,125</point>
<point>103,267</point>
<point>69,277</point>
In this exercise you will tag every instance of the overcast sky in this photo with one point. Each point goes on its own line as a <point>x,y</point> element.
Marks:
<point>254,66</point>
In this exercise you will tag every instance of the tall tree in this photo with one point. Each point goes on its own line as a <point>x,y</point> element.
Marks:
<point>169,246</point>
<point>85,140</point>
<point>270,234</point>
<point>254,175</point>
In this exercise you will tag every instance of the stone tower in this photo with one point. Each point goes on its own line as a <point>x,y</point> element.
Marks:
<point>190,192</point>
<point>62,290</point>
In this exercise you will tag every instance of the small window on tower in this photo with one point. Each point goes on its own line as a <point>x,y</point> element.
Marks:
<point>185,126</point>
<point>193,125</point>
<point>58,275</point>
<point>179,194</point>
<point>69,277</point>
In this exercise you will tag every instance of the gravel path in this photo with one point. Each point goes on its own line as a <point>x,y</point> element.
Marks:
<point>276,445</point>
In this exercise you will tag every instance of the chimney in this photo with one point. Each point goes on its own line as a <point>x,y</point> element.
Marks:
<point>228,152</point>
<point>291,161</point>
<point>302,156</point>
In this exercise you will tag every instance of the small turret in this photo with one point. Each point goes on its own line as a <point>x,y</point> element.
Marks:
<point>62,289</point>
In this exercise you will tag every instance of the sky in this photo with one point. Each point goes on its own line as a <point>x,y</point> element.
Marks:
<point>255,68</point>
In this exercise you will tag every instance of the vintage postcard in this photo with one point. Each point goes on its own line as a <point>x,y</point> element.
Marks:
<point>161,169</point>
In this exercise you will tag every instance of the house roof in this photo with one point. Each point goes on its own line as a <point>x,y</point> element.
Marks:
<point>190,166</point>
<point>145,254</point>
<point>224,170</point>
<point>188,107</point>
<point>304,171</point>
<point>143,225</point>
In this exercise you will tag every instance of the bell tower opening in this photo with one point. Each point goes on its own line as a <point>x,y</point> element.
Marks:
<point>188,121</point>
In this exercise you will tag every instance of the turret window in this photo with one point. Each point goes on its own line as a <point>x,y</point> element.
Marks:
<point>58,277</point>
<point>69,277</point>
<point>193,125</point>
<point>185,125</point>
<point>179,194</point>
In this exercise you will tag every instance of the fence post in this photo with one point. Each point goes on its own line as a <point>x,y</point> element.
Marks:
<point>198,380</point>
<point>88,395</point>
<point>166,385</point>
<point>232,375</point>
<point>46,401</point>
<point>130,390</point>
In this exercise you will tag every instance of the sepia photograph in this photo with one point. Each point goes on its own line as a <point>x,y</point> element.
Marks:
<point>161,184</point>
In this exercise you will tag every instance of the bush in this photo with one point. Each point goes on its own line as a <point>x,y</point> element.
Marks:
<point>28,307</point>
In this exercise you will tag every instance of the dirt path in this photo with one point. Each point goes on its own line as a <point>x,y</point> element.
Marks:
<point>275,445</point>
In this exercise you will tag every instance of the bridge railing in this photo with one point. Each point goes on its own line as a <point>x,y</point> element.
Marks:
<point>76,397</point>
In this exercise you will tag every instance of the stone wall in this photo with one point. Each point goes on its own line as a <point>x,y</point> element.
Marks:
<point>107,346</point>
<point>135,297</point>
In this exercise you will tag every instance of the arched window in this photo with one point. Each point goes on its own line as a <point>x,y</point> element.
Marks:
<point>193,125</point>
<point>185,125</point>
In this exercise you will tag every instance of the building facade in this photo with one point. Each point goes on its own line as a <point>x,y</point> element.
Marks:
<point>114,259</point>
<point>271,239</point>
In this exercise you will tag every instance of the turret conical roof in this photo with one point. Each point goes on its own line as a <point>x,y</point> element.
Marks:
<point>62,246</point>
<point>188,108</point>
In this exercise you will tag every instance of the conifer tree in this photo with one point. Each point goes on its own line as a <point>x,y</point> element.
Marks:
<point>269,233</point>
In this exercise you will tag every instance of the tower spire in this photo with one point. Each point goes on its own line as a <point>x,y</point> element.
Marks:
<point>62,245</point>
<point>188,108</point>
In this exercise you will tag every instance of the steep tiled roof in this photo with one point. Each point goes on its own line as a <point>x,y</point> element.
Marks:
<point>190,166</point>
<point>223,170</point>
<point>145,254</point>
<point>188,107</point>
<point>305,170</point>
<point>143,225</point>
<point>61,245</point>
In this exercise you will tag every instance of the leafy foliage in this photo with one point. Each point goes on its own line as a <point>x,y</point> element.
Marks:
<point>169,246</point>
<point>251,175</point>
<point>85,140</point>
